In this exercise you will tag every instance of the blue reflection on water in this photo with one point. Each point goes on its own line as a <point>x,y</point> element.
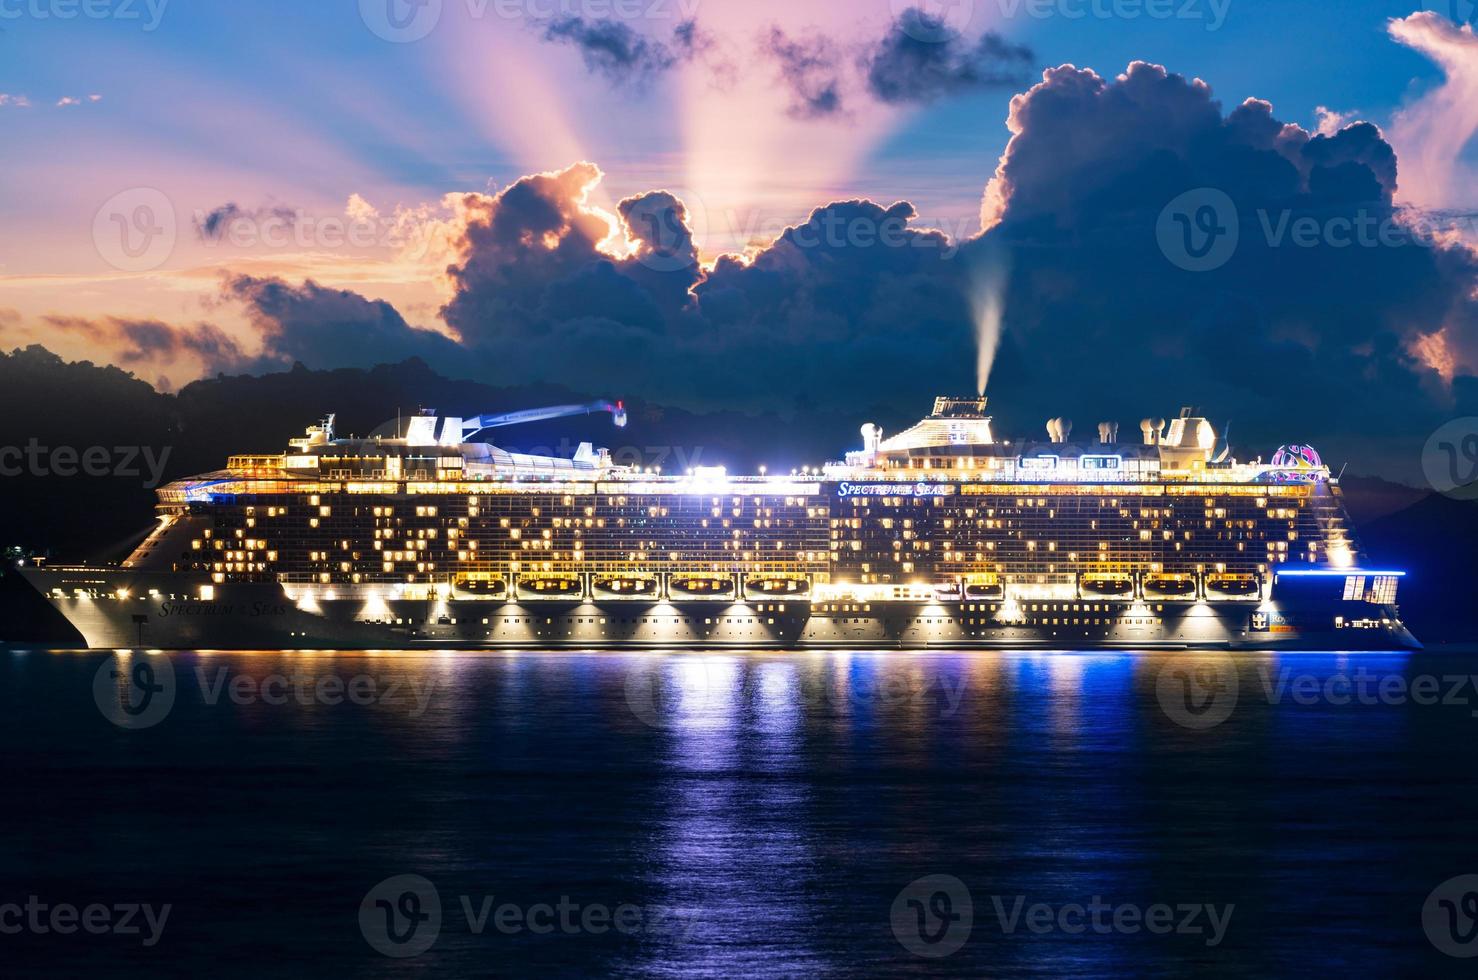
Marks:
<point>772,806</point>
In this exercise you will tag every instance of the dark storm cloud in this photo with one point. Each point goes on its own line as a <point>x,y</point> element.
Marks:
<point>323,327</point>
<point>152,341</point>
<point>919,60</point>
<point>1293,340</point>
<point>854,291</point>
<point>855,306</point>
<point>621,55</point>
<point>1289,341</point>
<point>215,225</point>
<point>810,68</point>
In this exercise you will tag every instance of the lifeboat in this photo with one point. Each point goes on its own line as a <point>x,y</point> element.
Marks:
<point>492,588</point>
<point>776,587</point>
<point>1107,587</point>
<point>550,587</point>
<point>701,586</point>
<point>1169,587</point>
<point>625,586</point>
<point>947,591</point>
<point>1232,586</point>
<point>985,591</point>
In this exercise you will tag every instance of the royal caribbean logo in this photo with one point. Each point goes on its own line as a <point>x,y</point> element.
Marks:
<point>845,490</point>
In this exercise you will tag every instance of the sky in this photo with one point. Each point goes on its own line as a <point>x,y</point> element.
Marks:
<point>191,187</point>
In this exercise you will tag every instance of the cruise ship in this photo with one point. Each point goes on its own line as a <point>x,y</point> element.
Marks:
<point>943,535</point>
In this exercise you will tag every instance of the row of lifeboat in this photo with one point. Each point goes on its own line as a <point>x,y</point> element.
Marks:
<point>1173,587</point>
<point>555,586</point>
<point>1185,588</point>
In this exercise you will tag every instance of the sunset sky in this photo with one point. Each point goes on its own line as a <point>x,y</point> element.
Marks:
<point>208,127</point>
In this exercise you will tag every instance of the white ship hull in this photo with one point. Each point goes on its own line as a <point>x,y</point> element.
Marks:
<point>120,609</point>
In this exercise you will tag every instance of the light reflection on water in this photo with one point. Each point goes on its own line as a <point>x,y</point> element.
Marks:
<point>777,802</point>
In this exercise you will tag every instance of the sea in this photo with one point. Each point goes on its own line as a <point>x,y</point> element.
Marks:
<point>731,814</point>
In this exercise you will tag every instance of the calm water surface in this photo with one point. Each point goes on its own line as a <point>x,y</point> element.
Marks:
<point>764,814</point>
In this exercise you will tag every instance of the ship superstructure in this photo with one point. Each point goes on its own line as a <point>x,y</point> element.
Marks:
<point>943,534</point>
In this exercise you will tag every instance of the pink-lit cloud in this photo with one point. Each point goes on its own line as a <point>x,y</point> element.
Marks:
<point>1431,133</point>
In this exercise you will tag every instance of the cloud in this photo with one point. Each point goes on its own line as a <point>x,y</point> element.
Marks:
<point>323,327</point>
<point>1327,121</point>
<point>624,57</point>
<point>14,101</point>
<point>1319,341</point>
<point>359,209</point>
<point>547,286</point>
<point>810,68</point>
<point>216,224</point>
<point>1431,132</point>
<point>919,60</point>
<point>137,342</point>
<point>1361,348</point>
<point>1075,126</point>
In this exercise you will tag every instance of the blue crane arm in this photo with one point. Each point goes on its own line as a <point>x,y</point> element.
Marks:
<point>471,427</point>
